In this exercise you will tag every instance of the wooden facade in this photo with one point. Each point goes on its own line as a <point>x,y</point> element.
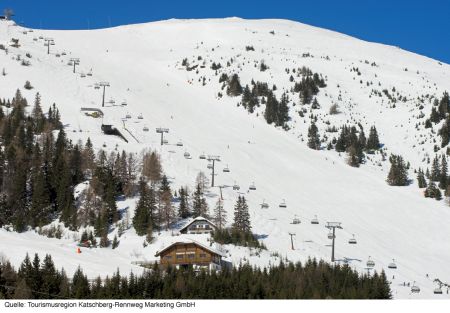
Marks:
<point>183,254</point>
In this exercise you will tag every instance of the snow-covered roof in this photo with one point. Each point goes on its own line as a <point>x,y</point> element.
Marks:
<point>198,218</point>
<point>190,241</point>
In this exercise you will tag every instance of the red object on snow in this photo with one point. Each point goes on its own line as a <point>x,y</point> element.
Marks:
<point>78,250</point>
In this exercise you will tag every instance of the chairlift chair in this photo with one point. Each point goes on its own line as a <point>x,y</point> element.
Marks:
<point>226,169</point>
<point>187,155</point>
<point>264,205</point>
<point>392,265</point>
<point>414,288</point>
<point>209,166</point>
<point>165,141</point>
<point>70,63</point>
<point>96,86</point>
<point>370,263</point>
<point>437,291</point>
<point>283,204</point>
<point>252,187</point>
<point>63,53</point>
<point>352,240</point>
<point>128,115</point>
<point>202,156</point>
<point>89,73</point>
<point>140,116</point>
<point>179,144</point>
<point>124,103</point>
<point>330,235</point>
<point>296,220</point>
<point>41,37</point>
<point>82,75</point>
<point>315,221</point>
<point>236,186</point>
<point>145,129</point>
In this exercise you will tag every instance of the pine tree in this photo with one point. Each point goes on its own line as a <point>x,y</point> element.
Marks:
<point>313,137</point>
<point>115,242</point>
<point>421,179</point>
<point>373,142</point>
<point>144,209</point>
<point>199,205</point>
<point>443,179</point>
<point>241,216</point>
<point>398,174</point>
<point>183,208</point>
<point>435,170</point>
<point>234,86</point>
<point>220,215</point>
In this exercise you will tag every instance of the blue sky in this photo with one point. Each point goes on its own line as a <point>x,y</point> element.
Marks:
<point>419,26</point>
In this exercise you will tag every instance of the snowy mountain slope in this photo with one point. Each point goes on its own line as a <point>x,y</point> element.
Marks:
<point>143,65</point>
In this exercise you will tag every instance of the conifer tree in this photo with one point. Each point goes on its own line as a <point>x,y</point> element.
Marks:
<point>220,215</point>
<point>183,209</point>
<point>443,179</point>
<point>421,181</point>
<point>313,137</point>
<point>373,142</point>
<point>199,205</point>
<point>398,174</point>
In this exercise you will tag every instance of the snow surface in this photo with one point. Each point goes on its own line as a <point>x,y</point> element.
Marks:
<point>143,65</point>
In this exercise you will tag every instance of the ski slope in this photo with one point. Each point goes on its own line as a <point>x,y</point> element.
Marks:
<point>142,63</point>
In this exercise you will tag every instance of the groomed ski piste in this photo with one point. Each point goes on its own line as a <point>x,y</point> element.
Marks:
<point>142,64</point>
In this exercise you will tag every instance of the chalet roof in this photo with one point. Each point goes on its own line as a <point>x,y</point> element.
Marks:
<point>188,241</point>
<point>198,218</point>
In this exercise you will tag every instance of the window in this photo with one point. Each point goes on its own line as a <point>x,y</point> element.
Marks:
<point>203,255</point>
<point>180,255</point>
<point>190,255</point>
<point>168,257</point>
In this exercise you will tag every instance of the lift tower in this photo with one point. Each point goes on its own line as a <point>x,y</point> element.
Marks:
<point>213,159</point>
<point>161,131</point>
<point>332,227</point>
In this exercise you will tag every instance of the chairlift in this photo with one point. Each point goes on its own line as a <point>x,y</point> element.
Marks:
<point>187,155</point>
<point>124,103</point>
<point>264,205</point>
<point>437,291</point>
<point>370,263</point>
<point>128,115</point>
<point>140,116</point>
<point>202,156</point>
<point>252,186</point>
<point>96,86</point>
<point>89,73</point>
<point>70,63</point>
<point>296,220</point>
<point>111,101</point>
<point>165,141</point>
<point>330,235</point>
<point>145,129</point>
<point>209,166</point>
<point>35,39</point>
<point>392,265</point>
<point>415,288</point>
<point>352,240</point>
<point>41,37</point>
<point>82,75</point>
<point>179,144</point>
<point>283,204</point>
<point>104,145</point>
<point>315,221</point>
<point>226,169</point>
<point>63,53</point>
<point>236,186</point>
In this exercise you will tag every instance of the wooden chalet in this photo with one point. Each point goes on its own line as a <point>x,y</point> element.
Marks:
<point>198,225</point>
<point>190,253</point>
